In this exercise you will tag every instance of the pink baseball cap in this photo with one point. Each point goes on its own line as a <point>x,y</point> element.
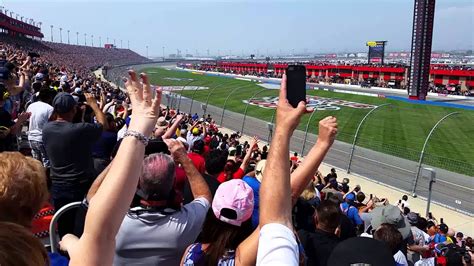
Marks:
<point>233,202</point>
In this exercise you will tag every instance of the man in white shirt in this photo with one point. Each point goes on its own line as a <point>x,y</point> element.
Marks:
<point>40,111</point>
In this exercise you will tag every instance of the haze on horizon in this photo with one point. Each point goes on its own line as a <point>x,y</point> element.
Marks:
<point>244,27</point>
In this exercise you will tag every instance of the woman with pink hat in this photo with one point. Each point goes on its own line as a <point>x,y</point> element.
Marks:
<point>225,228</point>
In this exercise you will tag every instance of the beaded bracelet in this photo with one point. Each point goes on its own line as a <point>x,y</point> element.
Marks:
<point>139,136</point>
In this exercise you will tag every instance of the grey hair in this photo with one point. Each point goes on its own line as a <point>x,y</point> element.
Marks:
<point>158,175</point>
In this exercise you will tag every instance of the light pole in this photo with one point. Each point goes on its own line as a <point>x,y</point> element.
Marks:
<point>77,38</point>
<point>51,33</point>
<point>121,46</point>
<point>114,42</point>
<point>92,40</point>
<point>147,51</point>
<point>68,37</point>
<point>128,44</point>
<point>100,41</point>
<point>107,39</point>
<point>61,35</point>
<point>163,53</point>
<point>85,39</point>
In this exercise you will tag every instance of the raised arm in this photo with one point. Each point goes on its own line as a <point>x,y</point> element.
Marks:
<point>275,192</point>
<point>101,119</point>
<point>103,220</point>
<point>277,242</point>
<point>198,185</point>
<point>19,122</point>
<point>97,182</point>
<point>248,155</point>
<point>305,172</point>
<point>172,130</point>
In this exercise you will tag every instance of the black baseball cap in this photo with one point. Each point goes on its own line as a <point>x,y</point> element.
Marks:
<point>63,103</point>
<point>361,250</point>
<point>4,73</point>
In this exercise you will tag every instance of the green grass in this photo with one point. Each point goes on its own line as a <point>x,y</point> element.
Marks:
<point>399,129</point>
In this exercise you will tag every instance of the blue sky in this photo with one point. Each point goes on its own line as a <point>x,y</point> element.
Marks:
<point>249,26</point>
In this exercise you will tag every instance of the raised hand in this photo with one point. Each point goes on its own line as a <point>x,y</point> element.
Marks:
<point>327,130</point>
<point>146,108</point>
<point>90,99</point>
<point>180,117</point>
<point>23,117</point>
<point>287,117</point>
<point>254,143</point>
<point>176,148</point>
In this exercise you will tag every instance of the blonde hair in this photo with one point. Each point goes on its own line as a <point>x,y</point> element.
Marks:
<point>19,247</point>
<point>23,188</point>
<point>308,193</point>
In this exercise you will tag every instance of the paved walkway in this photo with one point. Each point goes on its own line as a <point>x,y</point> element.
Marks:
<point>456,220</point>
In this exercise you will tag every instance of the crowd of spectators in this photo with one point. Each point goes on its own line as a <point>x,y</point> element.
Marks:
<point>159,186</point>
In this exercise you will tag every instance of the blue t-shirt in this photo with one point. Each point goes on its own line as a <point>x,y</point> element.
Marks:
<point>255,185</point>
<point>439,238</point>
<point>352,213</point>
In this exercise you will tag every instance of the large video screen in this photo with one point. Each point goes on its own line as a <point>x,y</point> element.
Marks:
<point>376,50</point>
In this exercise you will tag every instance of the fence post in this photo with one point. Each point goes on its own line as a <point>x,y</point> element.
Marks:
<point>357,133</point>
<point>181,93</point>
<point>208,96</point>
<point>192,99</point>
<point>228,96</point>
<point>430,188</point>
<point>306,131</point>
<point>247,107</point>
<point>415,181</point>
<point>270,130</point>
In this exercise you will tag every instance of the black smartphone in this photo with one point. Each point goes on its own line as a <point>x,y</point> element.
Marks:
<point>371,196</point>
<point>296,84</point>
<point>441,220</point>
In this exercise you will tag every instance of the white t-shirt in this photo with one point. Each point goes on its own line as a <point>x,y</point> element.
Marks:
<point>121,132</point>
<point>277,246</point>
<point>405,204</point>
<point>400,258</point>
<point>426,262</point>
<point>159,238</point>
<point>40,114</point>
<point>190,139</point>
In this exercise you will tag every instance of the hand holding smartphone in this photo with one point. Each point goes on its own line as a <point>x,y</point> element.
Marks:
<point>296,84</point>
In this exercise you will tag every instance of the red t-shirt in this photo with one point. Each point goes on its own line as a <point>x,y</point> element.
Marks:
<point>198,161</point>
<point>237,175</point>
<point>207,149</point>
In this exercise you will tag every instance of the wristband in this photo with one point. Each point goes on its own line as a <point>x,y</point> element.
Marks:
<point>139,136</point>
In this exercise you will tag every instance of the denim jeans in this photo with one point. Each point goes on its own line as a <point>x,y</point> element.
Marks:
<point>39,152</point>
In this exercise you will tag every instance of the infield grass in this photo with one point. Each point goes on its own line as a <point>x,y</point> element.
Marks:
<point>399,129</point>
